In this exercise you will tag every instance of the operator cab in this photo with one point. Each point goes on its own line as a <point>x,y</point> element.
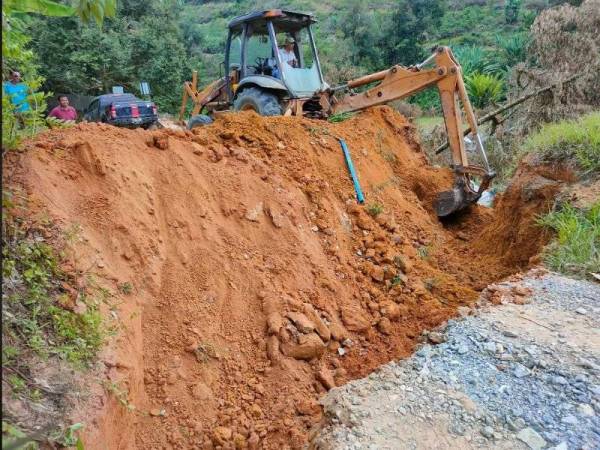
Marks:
<point>255,54</point>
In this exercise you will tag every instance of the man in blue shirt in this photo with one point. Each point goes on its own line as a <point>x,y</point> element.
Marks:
<point>17,91</point>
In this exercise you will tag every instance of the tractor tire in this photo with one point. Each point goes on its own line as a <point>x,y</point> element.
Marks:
<point>199,121</point>
<point>263,102</point>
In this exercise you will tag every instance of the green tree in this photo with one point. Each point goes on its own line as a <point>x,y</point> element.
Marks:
<point>484,89</point>
<point>363,30</point>
<point>513,48</point>
<point>83,58</point>
<point>147,45</point>
<point>16,16</point>
<point>159,55</point>
<point>408,26</point>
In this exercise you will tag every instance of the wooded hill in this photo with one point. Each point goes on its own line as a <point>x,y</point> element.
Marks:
<point>161,41</point>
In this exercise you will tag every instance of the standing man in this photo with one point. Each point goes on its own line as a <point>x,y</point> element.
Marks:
<point>17,92</point>
<point>63,111</point>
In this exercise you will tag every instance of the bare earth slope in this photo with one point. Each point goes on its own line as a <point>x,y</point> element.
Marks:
<point>258,282</point>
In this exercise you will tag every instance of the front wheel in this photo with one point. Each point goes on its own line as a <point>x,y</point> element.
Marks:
<point>263,102</point>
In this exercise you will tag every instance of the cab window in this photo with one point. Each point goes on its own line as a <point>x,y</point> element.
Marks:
<point>259,53</point>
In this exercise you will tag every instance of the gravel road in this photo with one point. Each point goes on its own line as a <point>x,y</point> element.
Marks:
<point>514,376</point>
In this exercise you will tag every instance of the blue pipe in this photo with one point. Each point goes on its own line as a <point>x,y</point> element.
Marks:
<point>359,195</point>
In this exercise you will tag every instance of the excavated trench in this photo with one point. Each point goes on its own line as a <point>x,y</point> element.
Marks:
<point>258,282</point>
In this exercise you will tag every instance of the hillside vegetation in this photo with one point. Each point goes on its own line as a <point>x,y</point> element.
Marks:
<point>162,41</point>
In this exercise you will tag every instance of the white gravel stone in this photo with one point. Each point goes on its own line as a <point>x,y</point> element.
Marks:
<point>531,437</point>
<point>586,410</point>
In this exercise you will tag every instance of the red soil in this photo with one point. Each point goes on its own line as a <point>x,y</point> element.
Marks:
<point>252,265</point>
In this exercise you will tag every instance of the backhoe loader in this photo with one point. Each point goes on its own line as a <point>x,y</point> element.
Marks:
<point>258,76</point>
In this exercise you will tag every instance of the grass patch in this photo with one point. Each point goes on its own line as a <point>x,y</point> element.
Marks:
<point>46,321</point>
<point>340,117</point>
<point>374,209</point>
<point>576,249</point>
<point>125,288</point>
<point>121,394</point>
<point>578,140</point>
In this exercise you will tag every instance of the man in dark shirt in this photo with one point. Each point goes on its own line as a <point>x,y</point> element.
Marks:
<point>63,111</point>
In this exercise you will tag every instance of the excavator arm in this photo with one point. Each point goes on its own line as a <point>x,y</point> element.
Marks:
<point>200,99</point>
<point>401,82</point>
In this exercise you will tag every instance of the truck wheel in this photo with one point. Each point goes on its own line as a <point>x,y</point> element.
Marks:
<point>198,121</point>
<point>255,99</point>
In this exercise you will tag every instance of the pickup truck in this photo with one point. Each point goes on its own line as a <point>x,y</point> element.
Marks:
<point>122,110</point>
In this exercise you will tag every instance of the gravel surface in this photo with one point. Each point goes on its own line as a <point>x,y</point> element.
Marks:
<point>510,376</point>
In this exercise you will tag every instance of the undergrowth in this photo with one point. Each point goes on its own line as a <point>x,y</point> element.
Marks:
<point>33,319</point>
<point>45,320</point>
<point>374,209</point>
<point>577,140</point>
<point>340,117</point>
<point>576,249</point>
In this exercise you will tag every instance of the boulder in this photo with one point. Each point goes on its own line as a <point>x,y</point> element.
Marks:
<point>309,346</point>
<point>273,349</point>
<point>221,435</point>
<point>354,319</point>
<point>392,310</point>
<point>274,323</point>
<point>338,332</point>
<point>403,263</point>
<point>302,323</point>
<point>201,391</point>
<point>320,326</point>
<point>376,272</point>
<point>325,376</point>
<point>384,325</point>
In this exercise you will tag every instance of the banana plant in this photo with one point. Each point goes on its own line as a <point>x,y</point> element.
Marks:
<point>484,89</point>
<point>87,10</point>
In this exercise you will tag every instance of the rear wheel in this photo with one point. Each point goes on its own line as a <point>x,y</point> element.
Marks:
<point>263,102</point>
<point>199,121</point>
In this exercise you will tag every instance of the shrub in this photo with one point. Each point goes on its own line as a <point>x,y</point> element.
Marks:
<point>484,89</point>
<point>576,249</point>
<point>577,140</point>
<point>511,11</point>
<point>475,60</point>
<point>33,301</point>
<point>514,49</point>
<point>374,209</point>
<point>428,100</point>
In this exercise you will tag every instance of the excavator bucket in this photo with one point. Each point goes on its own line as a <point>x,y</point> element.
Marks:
<point>462,194</point>
<point>448,202</point>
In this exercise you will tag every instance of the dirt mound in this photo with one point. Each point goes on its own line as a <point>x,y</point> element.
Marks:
<point>258,282</point>
<point>532,192</point>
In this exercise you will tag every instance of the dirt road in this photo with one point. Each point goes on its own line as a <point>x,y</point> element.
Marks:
<point>520,375</point>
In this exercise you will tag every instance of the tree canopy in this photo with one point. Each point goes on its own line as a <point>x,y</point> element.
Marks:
<point>162,41</point>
